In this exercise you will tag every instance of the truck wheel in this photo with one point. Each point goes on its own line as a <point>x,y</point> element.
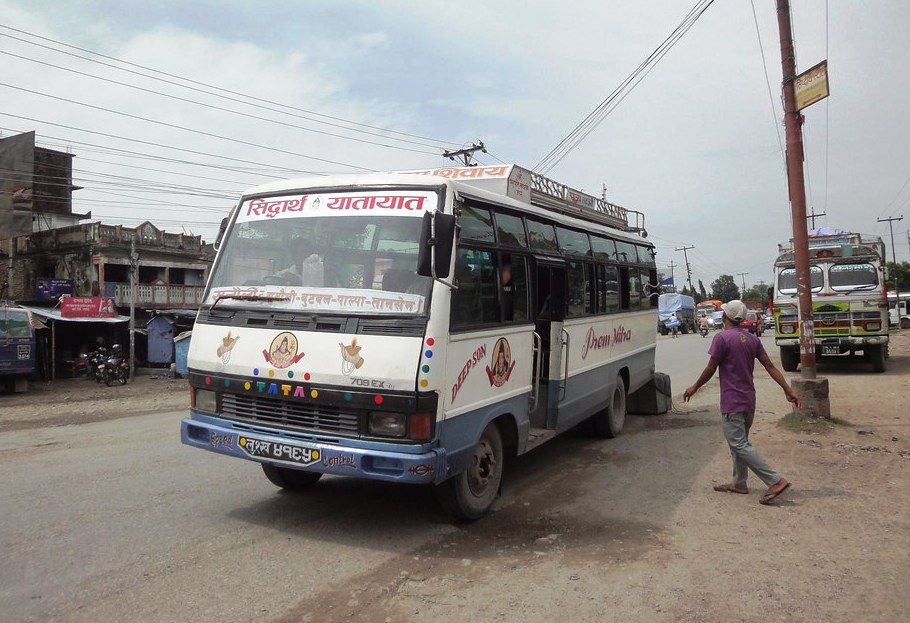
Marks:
<point>905,323</point>
<point>608,422</point>
<point>470,494</point>
<point>290,479</point>
<point>877,358</point>
<point>789,359</point>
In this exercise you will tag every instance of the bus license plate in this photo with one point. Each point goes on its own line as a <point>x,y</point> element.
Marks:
<point>830,350</point>
<point>259,448</point>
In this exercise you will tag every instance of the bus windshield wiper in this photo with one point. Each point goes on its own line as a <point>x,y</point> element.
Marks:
<point>248,297</point>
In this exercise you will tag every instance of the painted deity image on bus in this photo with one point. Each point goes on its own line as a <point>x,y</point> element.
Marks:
<point>283,351</point>
<point>503,364</point>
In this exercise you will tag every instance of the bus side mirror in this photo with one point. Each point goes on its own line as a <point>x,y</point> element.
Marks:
<point>221,229</point>
<point>437,240</point>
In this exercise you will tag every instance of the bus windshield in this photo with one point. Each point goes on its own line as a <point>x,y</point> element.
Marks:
<point>850,277</point>
<point>786,281</point>
<point>14,323</point>
<point>321,253</point>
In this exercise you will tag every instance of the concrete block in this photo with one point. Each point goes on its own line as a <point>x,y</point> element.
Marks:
<point>813,395</point>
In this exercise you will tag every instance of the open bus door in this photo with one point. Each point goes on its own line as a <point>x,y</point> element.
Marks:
<point>550,304</point>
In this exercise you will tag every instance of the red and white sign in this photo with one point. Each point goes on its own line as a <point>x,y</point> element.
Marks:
<point>340,204</point>
<point>87,307</point>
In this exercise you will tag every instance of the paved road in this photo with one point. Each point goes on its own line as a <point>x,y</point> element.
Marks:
<point>118,521</point>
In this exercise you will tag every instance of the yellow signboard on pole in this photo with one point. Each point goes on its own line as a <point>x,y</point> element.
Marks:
<point>811,85</point>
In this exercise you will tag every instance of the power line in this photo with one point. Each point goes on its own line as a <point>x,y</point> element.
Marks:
<point>180,127</point>
<point>232,92</point>
<point>228,110</point>
<point>589,123</point>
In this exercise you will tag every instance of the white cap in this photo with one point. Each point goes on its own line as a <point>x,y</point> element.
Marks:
<point>734,310</point>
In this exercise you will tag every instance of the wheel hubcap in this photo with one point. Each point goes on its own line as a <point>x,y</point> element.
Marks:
<point>483,466</point>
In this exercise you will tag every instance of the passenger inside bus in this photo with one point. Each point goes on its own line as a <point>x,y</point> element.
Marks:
<point>307,268</point>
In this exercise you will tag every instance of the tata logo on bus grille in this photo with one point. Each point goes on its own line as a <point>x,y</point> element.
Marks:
<point>595,341</point>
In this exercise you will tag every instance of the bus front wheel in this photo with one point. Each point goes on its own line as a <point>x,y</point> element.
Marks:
<point>290,479</point>
<point>789,359</point>
<point>470,494</point>
<point>876,355</point>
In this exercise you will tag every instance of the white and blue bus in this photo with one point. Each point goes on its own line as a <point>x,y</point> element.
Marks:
<point>419,327</point>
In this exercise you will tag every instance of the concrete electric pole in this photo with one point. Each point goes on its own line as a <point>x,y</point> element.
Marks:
<point>688,270</point>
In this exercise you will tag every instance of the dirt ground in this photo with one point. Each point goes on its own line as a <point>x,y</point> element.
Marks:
<point>836,547</point>
<point>88,401</point>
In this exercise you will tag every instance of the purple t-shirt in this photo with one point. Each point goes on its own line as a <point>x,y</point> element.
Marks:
<point>735,351</point>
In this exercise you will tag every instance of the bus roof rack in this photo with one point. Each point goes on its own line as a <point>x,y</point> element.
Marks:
<point>525,185</point>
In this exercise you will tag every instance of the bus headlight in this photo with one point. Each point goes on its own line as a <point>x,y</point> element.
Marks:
<point>388,424</point>
<point>205,400</point>
<point>787,329</point>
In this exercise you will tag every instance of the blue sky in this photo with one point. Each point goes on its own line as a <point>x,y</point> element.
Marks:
<point>696,145</point>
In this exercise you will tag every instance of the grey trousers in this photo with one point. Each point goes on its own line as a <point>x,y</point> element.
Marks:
<point>745,457</point>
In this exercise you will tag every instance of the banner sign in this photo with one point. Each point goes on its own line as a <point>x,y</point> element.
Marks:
<point>811,85</point>
<point>49,289</point>
<point>87,307</point>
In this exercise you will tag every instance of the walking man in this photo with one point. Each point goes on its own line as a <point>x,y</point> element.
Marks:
<point>734,351</point>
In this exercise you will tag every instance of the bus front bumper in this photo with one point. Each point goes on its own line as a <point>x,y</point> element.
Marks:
<point>217,435</point>
<point>852,342</point>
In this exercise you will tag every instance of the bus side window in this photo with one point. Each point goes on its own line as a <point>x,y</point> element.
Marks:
<point>474,303</point>
<point>513,288</point>
<point>579,282</point>
<point>607,289</point>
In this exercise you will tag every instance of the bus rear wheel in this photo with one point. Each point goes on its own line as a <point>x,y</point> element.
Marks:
<point>608,423</point>
<point>470,494</point>
<point>290,479</point>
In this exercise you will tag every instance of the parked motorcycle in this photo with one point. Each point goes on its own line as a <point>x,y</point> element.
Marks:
<point>115,368</point>
<point>94,363</point>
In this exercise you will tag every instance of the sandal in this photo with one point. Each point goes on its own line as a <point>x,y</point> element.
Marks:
<point>730,488</point>
<point>774,490</point>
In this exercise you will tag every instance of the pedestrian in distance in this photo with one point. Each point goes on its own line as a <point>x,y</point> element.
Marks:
<point>733,351</point>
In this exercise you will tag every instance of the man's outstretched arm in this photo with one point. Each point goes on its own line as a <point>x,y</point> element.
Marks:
<point>778,377</point>
<point>706,375</point>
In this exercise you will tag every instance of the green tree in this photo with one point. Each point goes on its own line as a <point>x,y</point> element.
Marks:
<point>899,276</point>
<point>724,288</point>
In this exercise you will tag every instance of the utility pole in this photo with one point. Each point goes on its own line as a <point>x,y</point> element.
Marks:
<point>671,266</point>
<point>897,291</point>
<point>813,392</point>
<point>134,268</point>
<point>814,215</point>
<point>466,154</point>
<point>743,275</point>
<point>688,270</point>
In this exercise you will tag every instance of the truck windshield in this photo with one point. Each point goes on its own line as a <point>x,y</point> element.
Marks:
<point>786,280</point>
<point>305,253</point>
<point>850,277</point>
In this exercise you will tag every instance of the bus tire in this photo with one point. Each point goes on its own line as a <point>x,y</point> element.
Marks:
<point>608,422</point>
<point>470,494</point>
<point>905,322</point>
<point>290,479</point>
<point>789,359</point>
<point>877,357</point>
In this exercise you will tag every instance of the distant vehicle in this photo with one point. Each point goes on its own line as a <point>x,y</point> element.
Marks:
<point>679,305</point>
<point>17,349</point>
<point>904,321</point>
<point>849,302</point>
<point>769,321</point>
<point>752,323</point>
<point>706,308</point>
<point>716,320</point>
